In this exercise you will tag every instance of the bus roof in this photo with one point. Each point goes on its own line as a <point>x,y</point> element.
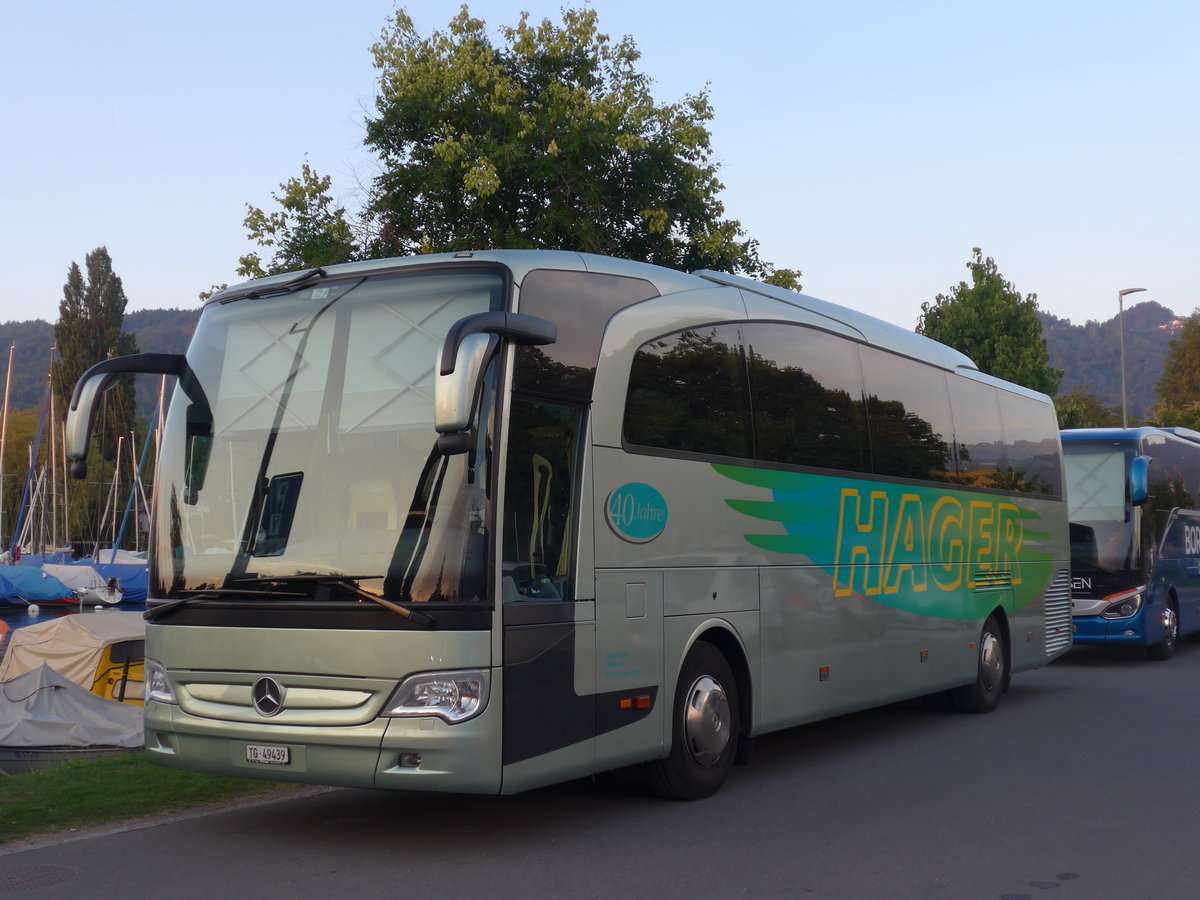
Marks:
<point>1136,433</point>
<point>667,281</point>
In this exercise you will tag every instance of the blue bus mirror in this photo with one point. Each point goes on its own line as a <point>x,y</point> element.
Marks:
<point>1139,480</point>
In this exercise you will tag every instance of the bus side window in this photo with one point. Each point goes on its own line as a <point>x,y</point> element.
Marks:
<point>807,397</point>
<point>688,393</point>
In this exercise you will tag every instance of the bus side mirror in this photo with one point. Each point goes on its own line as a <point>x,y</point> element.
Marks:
<point>79,420</point>
<point>1139,480</point>
<point>456,394</point>
<point>99,377</point>
<point>469,345</point>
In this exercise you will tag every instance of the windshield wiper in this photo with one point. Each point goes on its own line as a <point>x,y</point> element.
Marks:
<point>287,287</point>
<point>158,612</point>
<point>347,583</point>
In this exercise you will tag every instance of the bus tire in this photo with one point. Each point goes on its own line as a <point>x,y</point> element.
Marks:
<point>1165,649</point>
<point>704,729</point>
<point>983,695</point>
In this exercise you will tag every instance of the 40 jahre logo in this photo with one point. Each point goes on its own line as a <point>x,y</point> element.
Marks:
<point>636,512</point>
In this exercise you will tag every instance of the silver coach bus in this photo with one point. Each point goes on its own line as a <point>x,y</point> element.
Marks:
<point>488,521</point>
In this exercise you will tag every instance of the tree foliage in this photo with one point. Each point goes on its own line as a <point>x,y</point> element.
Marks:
<point>548,138</point>
<point>1179,385</point>
<point>1082,409</point>
<point>990,322</point>
<point>309,230</point>
<point>88,330</point>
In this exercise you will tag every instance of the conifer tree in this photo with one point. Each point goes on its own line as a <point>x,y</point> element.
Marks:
<point>88,330</point>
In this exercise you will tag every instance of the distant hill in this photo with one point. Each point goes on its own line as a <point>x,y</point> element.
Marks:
<point>157,330</point>
<point>1090,354</point>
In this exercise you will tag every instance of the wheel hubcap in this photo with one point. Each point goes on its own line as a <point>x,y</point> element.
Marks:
<point>991,661</point>
<point>1171,623</point>
<point>706,720</point>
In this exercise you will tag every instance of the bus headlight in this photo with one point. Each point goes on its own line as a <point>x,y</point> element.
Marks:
<point>1123,605</point>
<point>452,696</point>
<point>158,686</point>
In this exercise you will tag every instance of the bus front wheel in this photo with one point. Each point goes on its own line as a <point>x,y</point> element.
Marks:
<point>983,695</point>
<point>704,732</point>
<point>1165,648</point>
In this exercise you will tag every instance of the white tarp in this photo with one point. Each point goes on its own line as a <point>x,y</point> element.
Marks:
<point>43,709</point>
<point>71,645</point>
<point>86,582</point>
<point>75,577</point>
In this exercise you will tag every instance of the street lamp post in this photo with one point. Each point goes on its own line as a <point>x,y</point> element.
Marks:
<point>1121,328</point>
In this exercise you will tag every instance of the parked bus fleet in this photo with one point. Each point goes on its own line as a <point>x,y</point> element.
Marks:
<point>488,521</point>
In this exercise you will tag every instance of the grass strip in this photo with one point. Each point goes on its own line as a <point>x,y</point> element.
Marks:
<point>105,791</point>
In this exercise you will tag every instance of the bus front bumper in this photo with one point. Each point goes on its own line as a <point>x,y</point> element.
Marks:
<point>414,753</point>
<point>1142,629</point>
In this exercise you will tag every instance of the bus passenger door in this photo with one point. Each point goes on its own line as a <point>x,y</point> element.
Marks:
<point>549,634</point>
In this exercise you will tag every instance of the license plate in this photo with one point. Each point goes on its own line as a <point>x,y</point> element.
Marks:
<point>268,755</point>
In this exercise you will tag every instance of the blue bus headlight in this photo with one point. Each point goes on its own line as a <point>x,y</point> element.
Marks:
<point>1123,605</point>
<point>452,696</point>
<point>158,686</point>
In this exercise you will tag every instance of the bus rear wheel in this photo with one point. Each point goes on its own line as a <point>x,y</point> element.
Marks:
<point>704,732</point>
<point>991,676</point>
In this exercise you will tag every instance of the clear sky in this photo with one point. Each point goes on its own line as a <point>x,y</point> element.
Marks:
<point>869,144</point>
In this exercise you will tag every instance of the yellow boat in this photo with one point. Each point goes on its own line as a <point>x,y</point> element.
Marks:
<point>103,651</point>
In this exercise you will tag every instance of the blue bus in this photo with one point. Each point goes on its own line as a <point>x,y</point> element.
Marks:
<point>1135,536</point>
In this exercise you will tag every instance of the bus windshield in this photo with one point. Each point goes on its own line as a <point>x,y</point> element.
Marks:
<point>1103,526</point>
<point>320,459</point>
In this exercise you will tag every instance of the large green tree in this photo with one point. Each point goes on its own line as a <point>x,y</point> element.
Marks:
<point>1178,387</point>
<point>990,322</point>
<point>548,137</point>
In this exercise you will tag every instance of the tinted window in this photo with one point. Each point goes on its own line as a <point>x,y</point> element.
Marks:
<point>908,407</point>
<point>1031,445</point>
<point>580,304</point>
<point>807,390</point>
<point>978,433</point>
<point>687,392</point>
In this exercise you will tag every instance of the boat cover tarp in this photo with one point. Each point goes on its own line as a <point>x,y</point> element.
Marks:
<point>9,595</point>
<point>71,645</point>
<point>86,583</point>
<point>75,577</point>
<point>43,709</point>
<point>134,577</point>
<point>36,586</point>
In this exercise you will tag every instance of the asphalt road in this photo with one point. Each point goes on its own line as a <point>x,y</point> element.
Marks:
<point>1082,785</point>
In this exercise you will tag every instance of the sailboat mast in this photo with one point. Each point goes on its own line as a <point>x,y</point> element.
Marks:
<point>52,463</point>
<point>4,436</point>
